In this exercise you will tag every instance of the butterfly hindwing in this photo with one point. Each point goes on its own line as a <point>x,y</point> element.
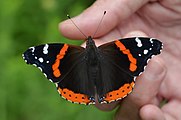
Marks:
<point>76,86</point>
<point>112,84</point>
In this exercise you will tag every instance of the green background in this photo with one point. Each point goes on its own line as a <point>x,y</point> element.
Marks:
<point>25,94</point>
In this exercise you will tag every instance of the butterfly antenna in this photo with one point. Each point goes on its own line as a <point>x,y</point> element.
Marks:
<point>99,24</point>
<point>76,26</point>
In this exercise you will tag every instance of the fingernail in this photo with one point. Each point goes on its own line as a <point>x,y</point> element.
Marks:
<point>136,34</point>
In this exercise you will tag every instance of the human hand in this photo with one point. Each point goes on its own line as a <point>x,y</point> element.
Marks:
<point>159,19</point>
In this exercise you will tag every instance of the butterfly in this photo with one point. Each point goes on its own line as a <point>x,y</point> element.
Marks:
<point>104,74</point>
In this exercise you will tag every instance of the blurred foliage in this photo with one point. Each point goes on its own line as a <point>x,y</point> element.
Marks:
<point>25,94</point>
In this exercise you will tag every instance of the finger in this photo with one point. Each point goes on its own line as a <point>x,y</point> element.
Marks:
<point>148,83</point>
<point>111,106</point>
<point>151,112</point>
<point>88,21</point>
<point>172,109</point>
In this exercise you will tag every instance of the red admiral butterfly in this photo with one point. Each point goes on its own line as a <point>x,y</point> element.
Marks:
<point>107,72</point>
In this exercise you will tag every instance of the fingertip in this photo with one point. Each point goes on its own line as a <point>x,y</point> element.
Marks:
<point>151,112</point>
<point>69,30</point>
<point>88,21</point>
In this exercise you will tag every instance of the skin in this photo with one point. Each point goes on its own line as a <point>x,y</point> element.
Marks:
<point>160,19</point>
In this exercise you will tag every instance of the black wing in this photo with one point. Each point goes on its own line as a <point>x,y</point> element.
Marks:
<point>121,61</point>
<point>64,65</point>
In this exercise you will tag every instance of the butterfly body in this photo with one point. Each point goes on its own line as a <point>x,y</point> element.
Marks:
<point>85,75</point>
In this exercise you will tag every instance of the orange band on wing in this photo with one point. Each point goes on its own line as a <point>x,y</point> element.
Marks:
<point>56,71</point>
<point>120,93</point>
<point>125,51</point>
<point>73,97</point>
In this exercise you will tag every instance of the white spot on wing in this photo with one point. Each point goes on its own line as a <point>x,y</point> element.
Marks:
<point>35,65</point>
<point>41,60</point>
<point>139,44</point>
<point>23,56</point>
<point>91,103</point>
<point>151,40</point>
<point>33,49</point>
<point>40,69</point>
<point>50,80</point>
<point>45,49</point>
<point>145,52</point>
<point>45,74</point>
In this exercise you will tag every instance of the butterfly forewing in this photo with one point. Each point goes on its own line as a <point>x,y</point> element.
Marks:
<point>131,54</point>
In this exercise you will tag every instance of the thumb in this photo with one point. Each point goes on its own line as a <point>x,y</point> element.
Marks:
<point>88,21</point>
